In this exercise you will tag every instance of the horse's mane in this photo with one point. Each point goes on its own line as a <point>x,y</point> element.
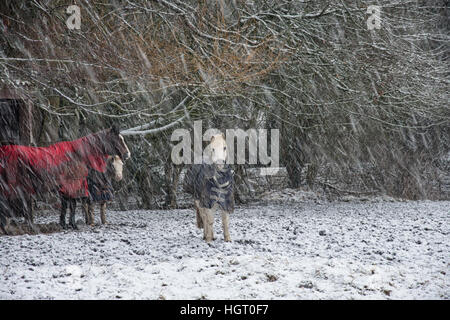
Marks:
<point>91,150</point>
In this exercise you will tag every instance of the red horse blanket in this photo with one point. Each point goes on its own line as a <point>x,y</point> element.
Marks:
<point>63,165</point>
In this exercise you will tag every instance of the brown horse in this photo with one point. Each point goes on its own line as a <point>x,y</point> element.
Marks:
<point>100,190</point>
<point>28,171</point>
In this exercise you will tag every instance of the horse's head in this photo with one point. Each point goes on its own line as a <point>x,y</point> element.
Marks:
<point>115,144</point>
<point>115,166</point>
<point>218,149</point>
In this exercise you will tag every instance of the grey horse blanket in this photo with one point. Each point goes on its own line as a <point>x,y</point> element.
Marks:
<point>211,185</point>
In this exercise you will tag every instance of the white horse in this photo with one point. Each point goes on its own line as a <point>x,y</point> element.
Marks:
<point>212,187</point>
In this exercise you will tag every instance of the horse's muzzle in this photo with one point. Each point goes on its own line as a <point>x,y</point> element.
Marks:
<point>126,156</point>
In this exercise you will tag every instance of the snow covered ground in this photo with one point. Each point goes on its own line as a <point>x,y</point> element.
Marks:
<point>306,249</point>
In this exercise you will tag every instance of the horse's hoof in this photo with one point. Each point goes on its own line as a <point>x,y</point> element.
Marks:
<point>74,226</point>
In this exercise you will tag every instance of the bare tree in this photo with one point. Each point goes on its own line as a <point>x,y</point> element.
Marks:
<point>362,109</point>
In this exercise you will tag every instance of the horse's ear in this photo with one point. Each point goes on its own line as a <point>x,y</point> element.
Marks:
<point>115,129</point>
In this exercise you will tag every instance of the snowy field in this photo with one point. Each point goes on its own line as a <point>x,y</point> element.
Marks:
<point>291,250</point>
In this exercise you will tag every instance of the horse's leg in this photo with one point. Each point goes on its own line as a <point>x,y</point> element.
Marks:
<point>15,210</point>
<point>62,218</point>
<point>72,205</point>
<point>202,214</point>
<point>226,233</point>
<point>84,207</point>
<point>29,214</point>
<point>208,223</point>
<point>197,214</point>
<point>210,217</point>
<point>103,212</point>
<point>91,213</point>
<point>4,212</point>
<point>19,210</point>
<point>4,221</point>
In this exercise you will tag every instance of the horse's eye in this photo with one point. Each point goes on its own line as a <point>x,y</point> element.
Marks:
<point>214,149</point>
<point>224,148</point>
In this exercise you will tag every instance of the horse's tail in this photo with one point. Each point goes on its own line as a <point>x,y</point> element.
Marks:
<point>9,158</point>
<point>5,190</point>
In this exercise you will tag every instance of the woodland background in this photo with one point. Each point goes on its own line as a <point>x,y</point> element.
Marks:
<point>359,111</point>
